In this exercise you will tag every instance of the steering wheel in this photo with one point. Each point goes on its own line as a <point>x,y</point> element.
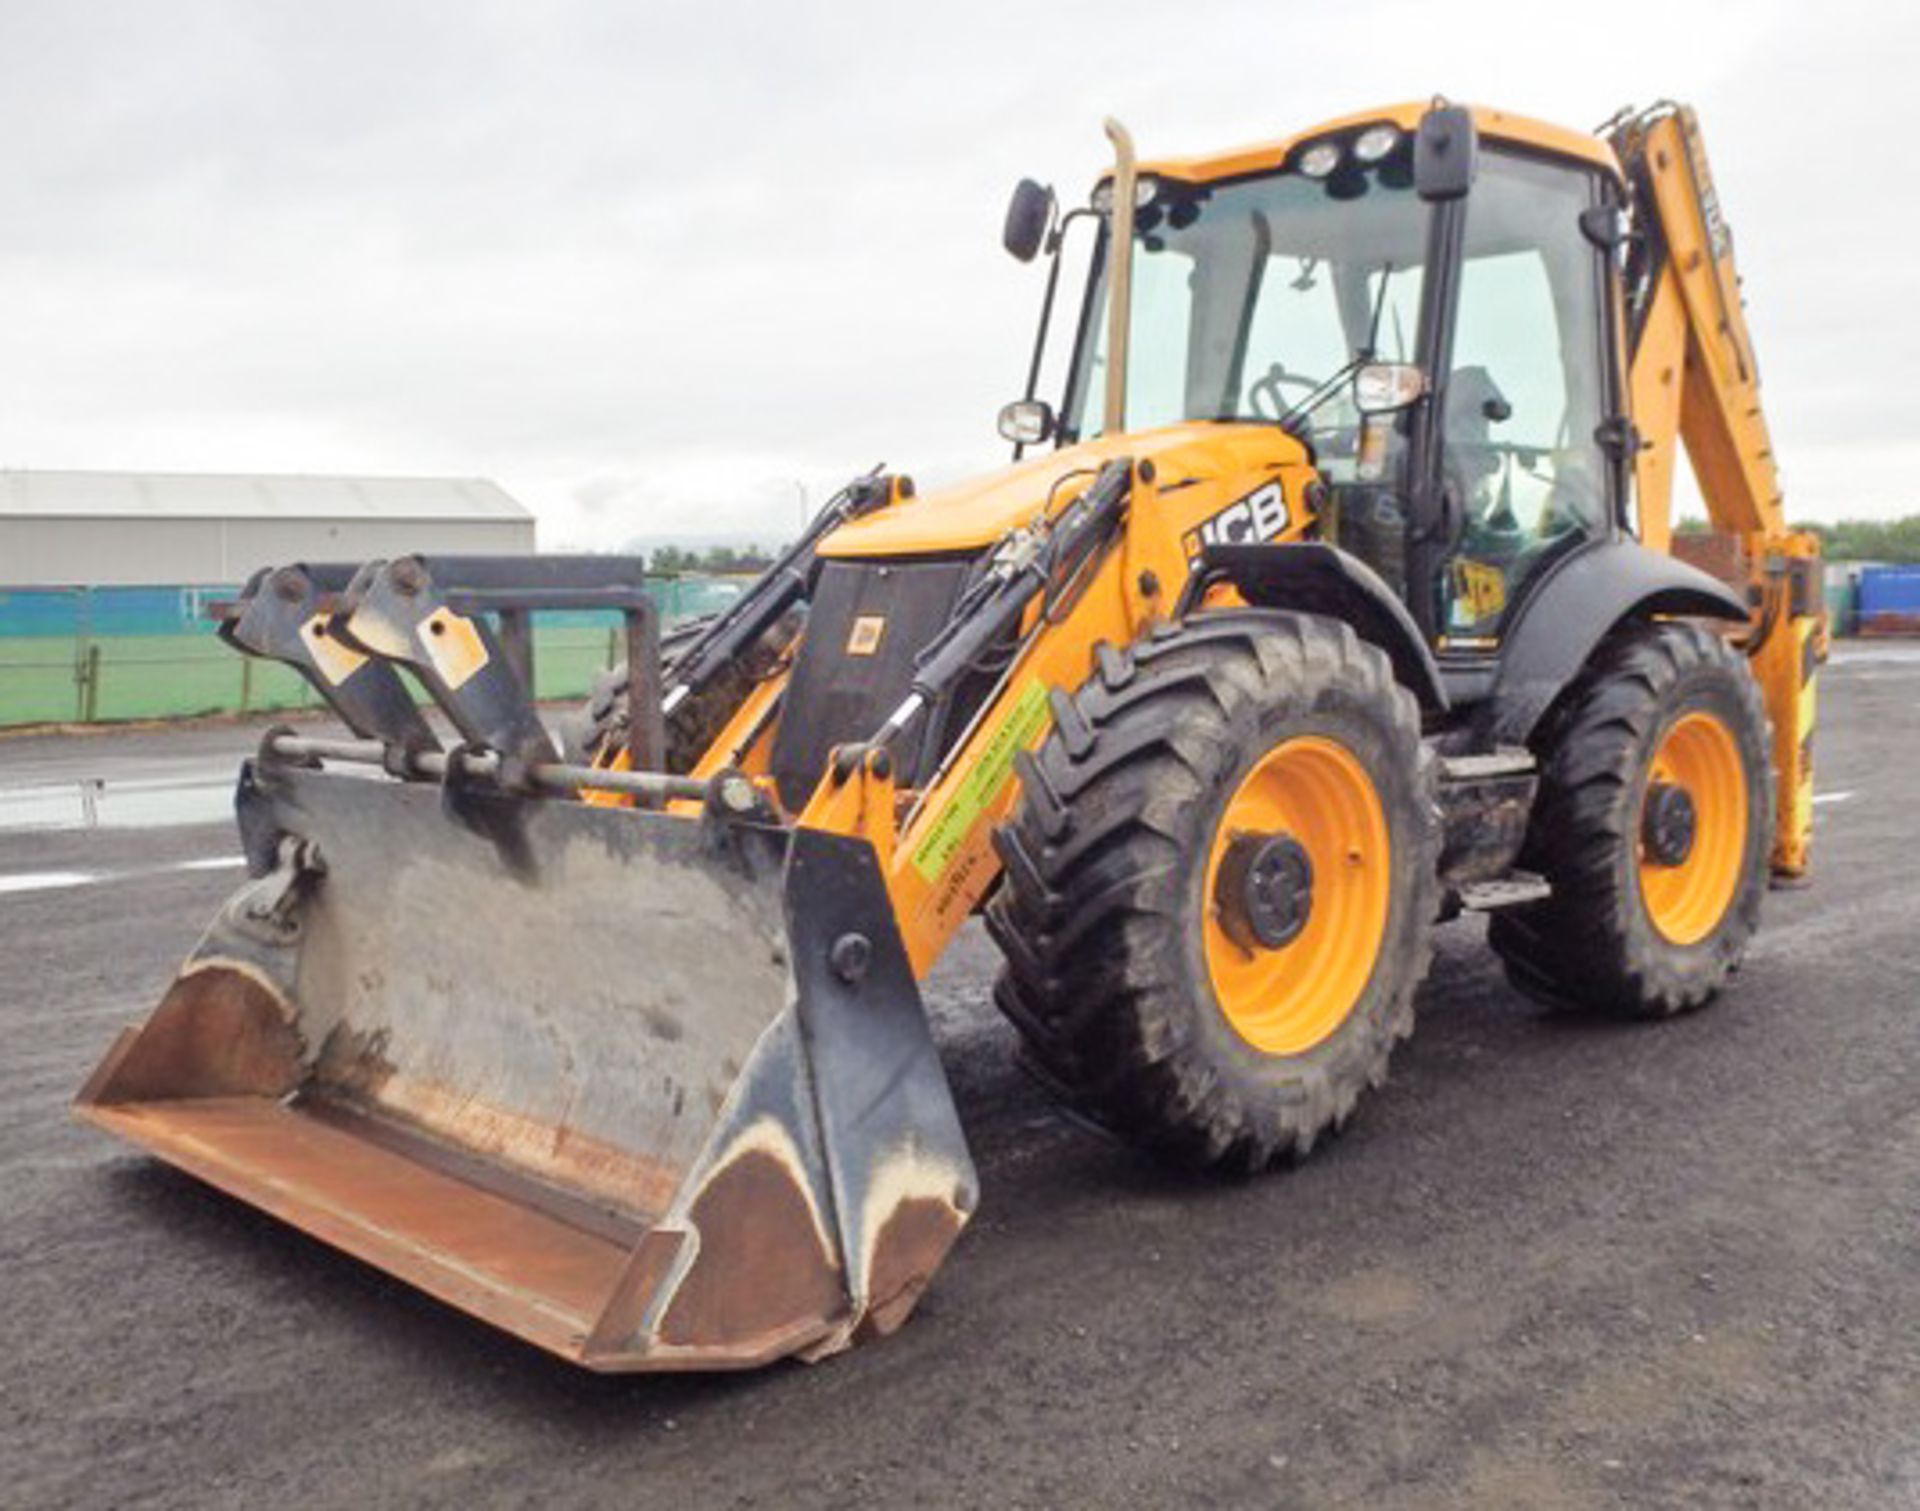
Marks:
<point>1263,394</point>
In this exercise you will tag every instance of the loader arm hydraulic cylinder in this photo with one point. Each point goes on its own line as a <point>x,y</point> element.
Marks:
<point>1024,567</point>
<point>776,590</point>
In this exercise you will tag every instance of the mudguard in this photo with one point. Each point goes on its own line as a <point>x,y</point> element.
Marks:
<point>1315,578</point>
<point>1572,609</point>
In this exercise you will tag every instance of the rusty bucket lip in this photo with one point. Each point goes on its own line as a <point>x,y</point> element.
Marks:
<point>604,1288</point>
<point>572,1335</point>
<point>182,1135</point>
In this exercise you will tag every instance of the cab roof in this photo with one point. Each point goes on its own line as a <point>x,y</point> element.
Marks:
<point>1498,125</point>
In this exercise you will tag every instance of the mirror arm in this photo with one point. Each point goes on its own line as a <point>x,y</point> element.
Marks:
<point>1040,335</point>
<point>1056,238</point>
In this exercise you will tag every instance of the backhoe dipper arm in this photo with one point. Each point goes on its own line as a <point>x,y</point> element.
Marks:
<point>1693,381</point>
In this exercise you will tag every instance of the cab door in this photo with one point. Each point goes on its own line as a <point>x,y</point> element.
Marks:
<point>1526,393</point>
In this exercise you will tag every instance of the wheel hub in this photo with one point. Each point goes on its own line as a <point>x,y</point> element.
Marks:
<point>1668,824</point>
<point>1264,890</point>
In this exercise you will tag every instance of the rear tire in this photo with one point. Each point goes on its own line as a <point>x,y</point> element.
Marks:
<point>1110,911</point>
<point>1643,923</point>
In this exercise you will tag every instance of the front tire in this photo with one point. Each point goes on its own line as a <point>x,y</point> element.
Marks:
<point>1653,825</point>
<point>1219,886</point>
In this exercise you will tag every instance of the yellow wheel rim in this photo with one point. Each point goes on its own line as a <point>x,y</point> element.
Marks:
<point>1687,888</point>
<point>1311,793</point>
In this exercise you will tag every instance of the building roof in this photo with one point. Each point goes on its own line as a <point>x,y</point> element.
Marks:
<point>186,495</point>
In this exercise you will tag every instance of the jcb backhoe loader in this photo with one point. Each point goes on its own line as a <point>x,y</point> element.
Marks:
<point>1342,602</point>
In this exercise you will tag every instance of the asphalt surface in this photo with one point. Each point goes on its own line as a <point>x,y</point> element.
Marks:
<point>1555,1263</point>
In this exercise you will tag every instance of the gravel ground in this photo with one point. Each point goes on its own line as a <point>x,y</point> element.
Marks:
<point>1555,1263</point>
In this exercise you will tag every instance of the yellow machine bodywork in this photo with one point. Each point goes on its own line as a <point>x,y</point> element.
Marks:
<point>936,851</point>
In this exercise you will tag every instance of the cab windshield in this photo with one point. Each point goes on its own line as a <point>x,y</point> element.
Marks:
<point>1253,298</point>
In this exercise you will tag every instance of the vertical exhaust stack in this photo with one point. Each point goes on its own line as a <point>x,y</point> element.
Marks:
<point>1119,277</point>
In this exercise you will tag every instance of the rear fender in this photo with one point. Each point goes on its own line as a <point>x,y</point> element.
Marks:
<point>1572,609</point>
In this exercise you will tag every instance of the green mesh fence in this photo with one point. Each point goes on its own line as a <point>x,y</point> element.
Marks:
<point>92,655</point>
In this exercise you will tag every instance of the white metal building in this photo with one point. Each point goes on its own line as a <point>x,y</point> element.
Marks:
<point>115,528</point>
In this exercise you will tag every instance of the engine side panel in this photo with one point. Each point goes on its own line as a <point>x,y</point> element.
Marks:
<point>865,624</point>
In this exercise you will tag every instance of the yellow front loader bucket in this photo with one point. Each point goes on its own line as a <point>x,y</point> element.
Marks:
<point>649,1091</point>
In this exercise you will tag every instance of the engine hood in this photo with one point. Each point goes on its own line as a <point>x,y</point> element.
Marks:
<point>972,515</point>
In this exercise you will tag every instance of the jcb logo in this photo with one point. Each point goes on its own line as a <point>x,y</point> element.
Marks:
<point>1259,517</point>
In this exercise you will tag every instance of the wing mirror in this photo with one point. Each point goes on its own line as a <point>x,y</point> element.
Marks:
<point>1445,149</point>
<point>1027,422</point>
<point>1029,214</point>
<point>1387,387</point>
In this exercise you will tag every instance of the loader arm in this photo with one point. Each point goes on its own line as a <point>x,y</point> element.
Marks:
<point>1693,382</point>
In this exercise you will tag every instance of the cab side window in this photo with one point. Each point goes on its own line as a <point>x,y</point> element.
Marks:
<point>1526,389</point>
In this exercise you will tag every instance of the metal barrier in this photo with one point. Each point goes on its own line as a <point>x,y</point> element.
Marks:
<point>98,654</point>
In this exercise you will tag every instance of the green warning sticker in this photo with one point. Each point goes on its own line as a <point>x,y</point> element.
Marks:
<point>1018,728</point>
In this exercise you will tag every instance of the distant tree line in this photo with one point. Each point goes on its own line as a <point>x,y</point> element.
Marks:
<point>714,559</point>
<point>1895,540</point>
<point>1871,539</point>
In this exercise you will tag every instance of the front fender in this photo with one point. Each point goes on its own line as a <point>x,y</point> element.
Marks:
<point>1315,578</point>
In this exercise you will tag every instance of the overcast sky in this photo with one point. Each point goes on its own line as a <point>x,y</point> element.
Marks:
<point>656,267</point>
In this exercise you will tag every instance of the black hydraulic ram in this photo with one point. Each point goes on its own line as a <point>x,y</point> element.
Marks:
<point>738,627</point>
<point>1028,563</point>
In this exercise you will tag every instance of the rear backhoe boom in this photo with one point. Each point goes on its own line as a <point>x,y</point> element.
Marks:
<point>1695,383</point>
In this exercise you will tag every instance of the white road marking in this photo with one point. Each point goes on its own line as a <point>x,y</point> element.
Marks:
<point>47,881</point>
<point>1832,797</point>
<point>212,863</point>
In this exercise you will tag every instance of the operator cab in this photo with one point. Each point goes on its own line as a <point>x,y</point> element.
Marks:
<point>1276,294</point>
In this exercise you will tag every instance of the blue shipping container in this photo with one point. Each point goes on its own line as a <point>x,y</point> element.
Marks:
<point>1889,590</point>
